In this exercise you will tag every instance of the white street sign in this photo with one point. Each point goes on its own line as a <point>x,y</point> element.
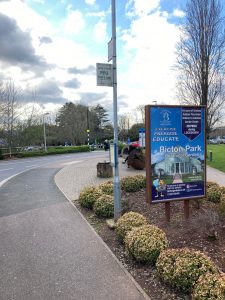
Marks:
<point>104,74</point>
<point>110,50</point>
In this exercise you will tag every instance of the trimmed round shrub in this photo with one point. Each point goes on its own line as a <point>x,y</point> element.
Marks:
<point>214,194</point>
<point>104,206</point>
<point>145,243</point>
<point>106,187</point>
<point>127,222</point>
<point>209,184</point>
<point>222,189</point>
<point>181,268</point>
<point>141,180</point>
<point>132,184</point>
<point>210,287</point>
<point>221,207</point>
<point>88,196</point>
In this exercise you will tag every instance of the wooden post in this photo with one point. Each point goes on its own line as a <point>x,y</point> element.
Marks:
<point>186,209</point>
<point>167,211</point>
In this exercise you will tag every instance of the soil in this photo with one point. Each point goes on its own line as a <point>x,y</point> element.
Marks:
<point>203,231</point>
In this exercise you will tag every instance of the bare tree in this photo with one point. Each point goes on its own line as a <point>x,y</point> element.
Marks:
<point>141,110</point>
<point>201,58</point>
<point>9,94</point>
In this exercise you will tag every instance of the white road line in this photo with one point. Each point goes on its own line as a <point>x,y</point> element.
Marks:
<point>31,166</point>
<point>6,169</point>
<point>72,162</point>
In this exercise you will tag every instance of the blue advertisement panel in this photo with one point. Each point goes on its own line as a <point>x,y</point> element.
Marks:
<point>177,152</point>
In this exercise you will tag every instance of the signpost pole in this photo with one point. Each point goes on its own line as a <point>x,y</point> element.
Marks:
<point>117,197</point>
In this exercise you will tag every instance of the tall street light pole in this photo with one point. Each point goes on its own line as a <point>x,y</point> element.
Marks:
<point>88,130</point>
<point>117,196</point>
<point>45,143</point>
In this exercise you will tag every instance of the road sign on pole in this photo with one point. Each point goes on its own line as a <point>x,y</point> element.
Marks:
<point>110,50</point>
<point>104,74</point>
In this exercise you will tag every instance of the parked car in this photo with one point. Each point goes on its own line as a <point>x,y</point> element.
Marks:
<point>32,148</point>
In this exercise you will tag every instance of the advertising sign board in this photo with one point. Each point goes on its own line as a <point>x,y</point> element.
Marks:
<point>175,152</point>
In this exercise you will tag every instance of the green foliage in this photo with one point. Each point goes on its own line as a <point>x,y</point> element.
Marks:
<point>221,207</point>
<point>30,154</point>
<point>181,268</point>
<point>210,287</point>
<point>88,196</point>
<point>107,187</point>
<point>145,243</point>
<point>54,150</point>
<point>132,184</point>
<point>214,194</point>
<point>218,161</point>
<point>127,222</point>
<point>104,206</point>
<point>209,184</point>
<point>134,131</point>
<point>222,189</point>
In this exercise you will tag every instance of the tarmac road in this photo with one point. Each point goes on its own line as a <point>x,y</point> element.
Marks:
<point>10,168</point>
<point>48,251</point>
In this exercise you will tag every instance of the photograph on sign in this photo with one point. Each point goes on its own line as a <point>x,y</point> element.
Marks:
<point>175,153</point>
<point>104,74</point>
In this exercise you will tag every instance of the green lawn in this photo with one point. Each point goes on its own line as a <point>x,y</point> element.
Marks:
<point>218,156</point>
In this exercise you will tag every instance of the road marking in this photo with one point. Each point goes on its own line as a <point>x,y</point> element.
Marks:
<point>6,169</point>
<point>31,166</point>
<point>72,162</point>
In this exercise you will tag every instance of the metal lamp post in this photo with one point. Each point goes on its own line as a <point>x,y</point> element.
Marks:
<point>45,144</point>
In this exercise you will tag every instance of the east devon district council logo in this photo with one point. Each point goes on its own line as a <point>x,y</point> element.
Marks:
<point>165,118</point>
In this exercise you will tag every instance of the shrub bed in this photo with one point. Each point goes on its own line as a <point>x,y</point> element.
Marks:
<point>132,184</point>
<point>145,243</point>
<point>104,206</point>
<point>107,187</point>
<point>214,194</point>
<point>209,184</point>
<point>88,196</point>
<point>210,287</point>
<point>221,207</point>
<point>182,267</point>
<point>127,222</point>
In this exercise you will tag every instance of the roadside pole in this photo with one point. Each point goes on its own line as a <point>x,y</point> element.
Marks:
<point>117,196</point>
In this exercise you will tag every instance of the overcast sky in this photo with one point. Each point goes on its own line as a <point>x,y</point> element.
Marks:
<point>52,46</point>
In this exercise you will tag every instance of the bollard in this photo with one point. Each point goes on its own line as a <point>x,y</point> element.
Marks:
<point>210,155</point>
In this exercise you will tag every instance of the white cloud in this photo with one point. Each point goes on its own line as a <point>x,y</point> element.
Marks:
<point>141,7</point>
<point>100,31</point>
<point>149,47</point>
<point>39,1</point>
<point>74,23</point>
<point>178,13</point>
<point>26,18</point>
<point>90,2</point>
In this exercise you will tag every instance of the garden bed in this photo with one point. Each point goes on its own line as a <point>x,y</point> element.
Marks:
<point>204,232</point>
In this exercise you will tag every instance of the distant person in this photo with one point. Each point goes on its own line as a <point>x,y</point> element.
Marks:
<point>106,145</point>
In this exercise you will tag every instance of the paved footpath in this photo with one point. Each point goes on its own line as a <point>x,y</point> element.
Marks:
<point>48,251</point>
<point>73,178</point>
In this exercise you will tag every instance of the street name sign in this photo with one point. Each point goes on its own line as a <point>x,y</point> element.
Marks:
<point>104,74</point>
